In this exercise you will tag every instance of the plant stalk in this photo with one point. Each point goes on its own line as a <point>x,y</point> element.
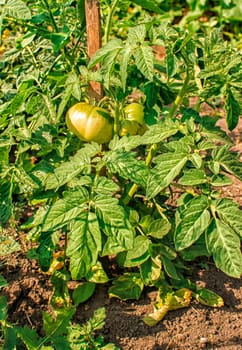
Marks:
<point>109,21</point>
<point>134,187</point>
<point>180,96</point>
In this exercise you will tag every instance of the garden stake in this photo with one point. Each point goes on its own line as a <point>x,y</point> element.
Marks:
<point>93,27</point>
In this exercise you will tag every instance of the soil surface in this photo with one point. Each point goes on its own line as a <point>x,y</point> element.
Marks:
<point>196,327</point>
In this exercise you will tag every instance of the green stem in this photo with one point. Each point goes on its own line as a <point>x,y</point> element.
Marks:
<point>180,96</point>
<point>51,16</point>
<point>134,187</point>
<point>109,20</point>
<point>116,118</point>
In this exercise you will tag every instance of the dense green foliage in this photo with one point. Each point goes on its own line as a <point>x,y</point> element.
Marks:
<point>117,199</point>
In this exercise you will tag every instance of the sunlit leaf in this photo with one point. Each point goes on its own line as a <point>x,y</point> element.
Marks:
<point>66,209</point>
<point>169,166</point>
<point>224,244</point>
<point>84,244</point>
<point>195,219</point>
<point>127,286</point>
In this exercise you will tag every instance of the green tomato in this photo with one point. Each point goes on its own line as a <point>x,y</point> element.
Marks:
<point>134,111</point>
<point>90,123</point>
<point>129,127</point>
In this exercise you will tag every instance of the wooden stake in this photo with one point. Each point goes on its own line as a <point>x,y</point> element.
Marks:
<point>93,27</point>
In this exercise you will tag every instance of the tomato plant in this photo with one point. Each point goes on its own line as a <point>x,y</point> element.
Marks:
<point>93,202</point>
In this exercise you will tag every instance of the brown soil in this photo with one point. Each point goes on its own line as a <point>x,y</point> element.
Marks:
<point>196,327</point>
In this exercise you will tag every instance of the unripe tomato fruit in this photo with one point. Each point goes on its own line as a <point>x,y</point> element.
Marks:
<point>129,127</point>
<point>90,123</point>
<point>134,111</point>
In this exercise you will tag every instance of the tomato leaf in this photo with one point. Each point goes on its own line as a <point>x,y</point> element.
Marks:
<point>143,56</point>
<point>66,209</point>
<point>136,35</point>
<point>84,245</point>
<point>228,160</point>
<point>128,286</point>
<point>112,45</point>
<point>6,207</point>
<point>97,274</point>
<point>125,55</point>
<point>160,131</point>
<point>168,167</point>
<point>166,301</point>
<point>159,228</point>
<point>230,213</point>
<point>137,255</point>
<point>148,5</point>
<point>83,292</point>
<point>77,164</point>
<point>193,177</point>
<point>224,244</point>
<point>233,109</point>
<point>127,166</point>
<point>194,220</point>
<point>59,325</point>
<point>17,9</point>
<point>113,221</point>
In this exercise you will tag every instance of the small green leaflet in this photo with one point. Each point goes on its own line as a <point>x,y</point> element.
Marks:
<point>224,244</point>
<point>84,244</point>
<point>148,5</point>
<point>160,131</point>
<point>221,180</point>
<point>143,56</point>
<point>59,325</point>
<point>159,228</point>
<point>77,164</point>
<point>137,255</point>
<point>195,219</point>
<point>168,168</point>
<point>6,208</point>
<point>113,221</point>
<point>8,245</point>
<point>29,337</point>
<point>230,213</point>
<point>16,9</point>
<point>45,250</point>
<point>233,109</point>
<point>125,55</point>
<point>108,63</point>
<point>112,45</point>
<point>170,268</point>
<point>3,308</point>
<point>126,142</point>
<point>128,286</point>
<point>136,35</point>
<point>103,185</point>
<point>72,88</point>
<point>126,165</point>
<point>3,282</point>
<point>215,134</point>
<point>83,292</point>
<point>193,177</point>
<point>65,210</point>
<point>228,160</point>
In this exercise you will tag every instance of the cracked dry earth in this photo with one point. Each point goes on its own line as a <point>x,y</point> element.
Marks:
<point>196,327</point>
